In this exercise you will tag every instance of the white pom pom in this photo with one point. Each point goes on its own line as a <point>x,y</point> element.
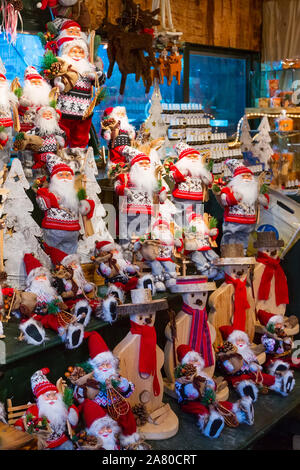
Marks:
<point>39,5</point>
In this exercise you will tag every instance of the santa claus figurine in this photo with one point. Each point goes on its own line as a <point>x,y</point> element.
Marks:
<point>117,131</point>
<point>75,103</point>
<point>101,425</point>
<point>196,393</point>
<point>105,372</point>
<point>8,102</point>
<point>68,30</point>
<point>50,405</point>
<point>240,199</point>
<point>163,266</point>
<point>70,327</point>
<point>242,370</point>
<point>199,238</point>
<point>139,190</point>
<point>35,94</point>
<point>191,178</point>
<point>62,207</point>
<point>46,127</point>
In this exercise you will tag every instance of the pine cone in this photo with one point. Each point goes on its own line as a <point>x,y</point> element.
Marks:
<point>189,370</point>
<point>76,374</point>
<point>17,4</point>
<point>140,414</point>
<point>226,347</point>
<point>3,276</point>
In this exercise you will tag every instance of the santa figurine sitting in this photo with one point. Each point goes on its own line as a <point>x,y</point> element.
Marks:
<point>62,207</point>
<point>105,372</point>
<point>100,425</point>
<point>196,393</point>
<point>198,241</point>
<point>50,405</point>
<point>46,127</point>
<point>240,199</point>
<point>243,371</point>
<point>8,102</point>
<point>117,131</point>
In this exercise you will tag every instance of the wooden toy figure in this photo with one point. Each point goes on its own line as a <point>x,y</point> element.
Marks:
<point>192,328</point>
<point>269,280</point>
<point>196,393</point>
<point>141,360</point>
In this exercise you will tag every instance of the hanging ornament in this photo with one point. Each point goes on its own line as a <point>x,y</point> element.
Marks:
<point>10,10</point>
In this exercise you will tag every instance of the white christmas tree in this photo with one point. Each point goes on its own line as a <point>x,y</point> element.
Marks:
<point>20,230</point>
<point>86,244</point>
<point>262,148</point>
<point>245,138</point>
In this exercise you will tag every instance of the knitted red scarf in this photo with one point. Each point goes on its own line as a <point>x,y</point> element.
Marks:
<point>147,359</point>
<point>240,302</point>
<point>272,268</point>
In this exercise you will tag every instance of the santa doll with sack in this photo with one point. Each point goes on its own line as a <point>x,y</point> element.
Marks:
<point>50,406</point>
<point>118,132</point>
<point>62,207</point>
<point>196,394</point>
<point>242,370</point>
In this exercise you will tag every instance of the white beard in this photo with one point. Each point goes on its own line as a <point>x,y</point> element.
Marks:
<point>43,289</point>
<point>6,98</point>
<point>101,376</point>
<point>56,414</point>
<point>65,190</point>
<point>47,126</point>
<point>165,236</point>
<point>194,167</point>
<point>246,353</point>
<point>143,178</point>
<point>247,190</point>
<point>109,442</point>
<point>37,95</point>
<point>81,66</point>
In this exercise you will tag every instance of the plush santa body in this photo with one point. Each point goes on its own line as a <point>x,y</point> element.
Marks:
<point>8,101</point>
<point>240,199</point>
<point>191,177</point>
<point>244,372</point>
<point>198,239</point>
<point>191,393</point>
<point>105,367</point>
<point>163,267</point>
<point>192,326</point>
<point>118,132</point>
<point>101,425</point>
<point>35,94</point>
<point>232,303</point>
<point>62,207</point>
<point>74,103</point>
<point>141,361</point>
<point>33,329</point>
<point>46,127</point>
<point>139,191</point>
<point>49,404</point>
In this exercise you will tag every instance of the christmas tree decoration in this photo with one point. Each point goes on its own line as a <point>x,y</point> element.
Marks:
<point>50,406</point>
<point>196,393</point>
<point>262,147</point>
<point>245,137</point>
<point>141,360</point>
<point>21,231</point>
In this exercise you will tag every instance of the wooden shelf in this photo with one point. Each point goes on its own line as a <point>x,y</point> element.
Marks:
<point>291,110</point>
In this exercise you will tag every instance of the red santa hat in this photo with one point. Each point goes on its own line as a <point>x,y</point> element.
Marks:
<point>60,167</point>
<point>104,245</point>
<point>33,267</point>
<point>107,112</point>
<point>237,168</point>
<point>98,350</point>
<point>40,384</point>
<point>96,417</point>
<point>60,257</point>
<point>32,74</point>
<point>186,354</point>
<point>69,24</point>
<point>134,155</point>
<point>193,217</point>
<point>159,222</point>
<point>267,319</point>
<point>184,150</point>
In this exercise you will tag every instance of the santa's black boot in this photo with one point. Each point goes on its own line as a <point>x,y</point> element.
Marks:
<point>33,331</point>
<point>109,309</point>
<point>147,282</point>
<point>247,388</point>
<point>73,335</point>
<point>83,311</point>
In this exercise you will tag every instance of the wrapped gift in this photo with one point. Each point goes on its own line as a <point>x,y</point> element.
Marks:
<point>273,86</point>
